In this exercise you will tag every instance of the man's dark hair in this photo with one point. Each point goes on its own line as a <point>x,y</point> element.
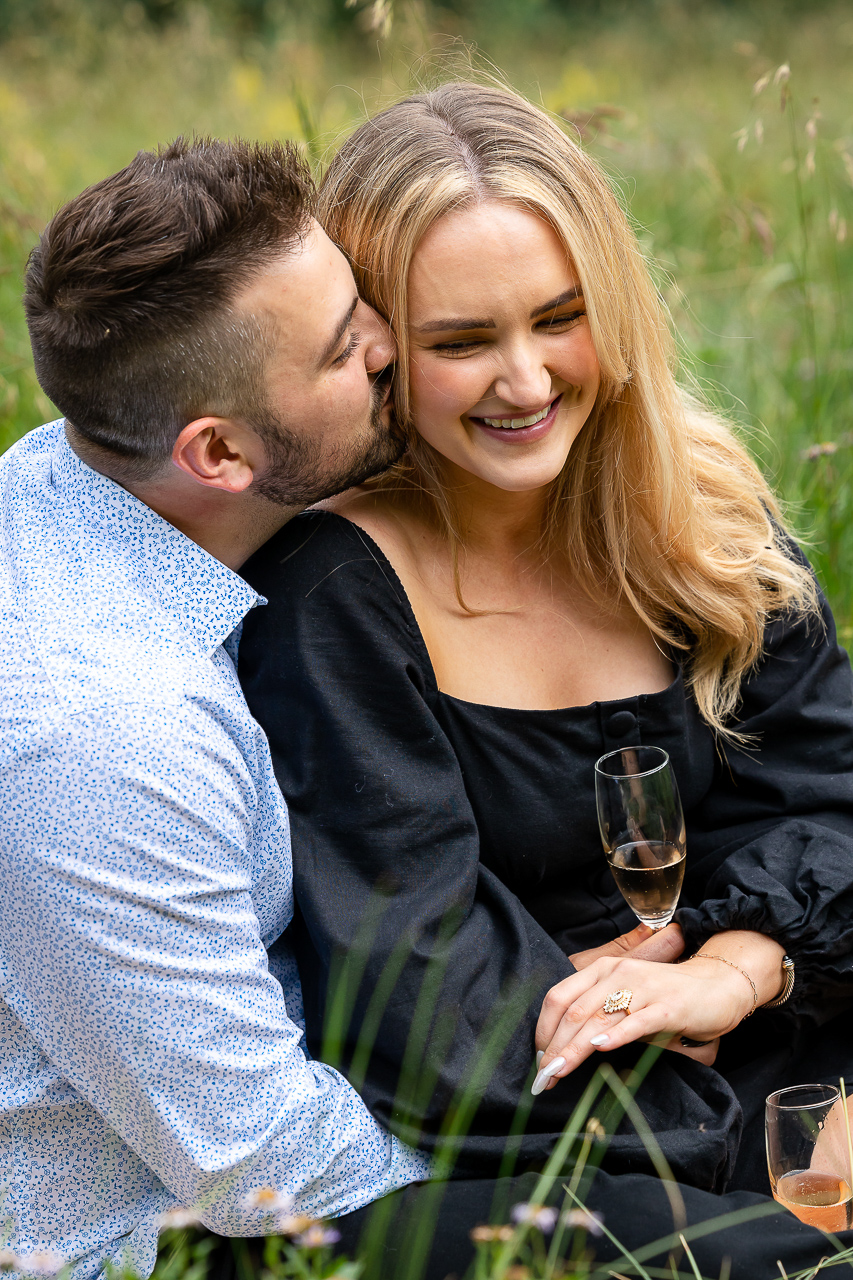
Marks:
<point>129,290</point>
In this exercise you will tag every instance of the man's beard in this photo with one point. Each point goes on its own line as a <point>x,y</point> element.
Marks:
<point>296,476</point>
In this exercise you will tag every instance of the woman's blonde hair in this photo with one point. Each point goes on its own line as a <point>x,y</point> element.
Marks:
<point>657,502</point>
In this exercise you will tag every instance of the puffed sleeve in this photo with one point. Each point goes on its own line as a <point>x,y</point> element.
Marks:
<point>771,846</point>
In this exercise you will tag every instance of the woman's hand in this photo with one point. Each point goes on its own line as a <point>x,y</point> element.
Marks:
<point>703,998</point>
<point>664,946</point>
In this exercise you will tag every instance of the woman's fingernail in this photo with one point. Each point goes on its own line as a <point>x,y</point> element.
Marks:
<point>540,1055</point>
<point>598,1041</point>
<point>545,1075</point>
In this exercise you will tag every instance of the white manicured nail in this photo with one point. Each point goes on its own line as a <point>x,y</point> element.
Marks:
<point>600,1040</point>
<point>540,1055</point>
<point>545,1075</point>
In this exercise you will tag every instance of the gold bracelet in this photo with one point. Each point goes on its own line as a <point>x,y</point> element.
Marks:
<point>785,994</point>
<point>704,955</point>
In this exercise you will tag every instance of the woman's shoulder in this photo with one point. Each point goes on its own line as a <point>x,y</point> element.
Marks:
<point>330,567</point>
<point>334,603</point>
<point>313,546</point>
<point>391,524</point>
<point>386,517</point>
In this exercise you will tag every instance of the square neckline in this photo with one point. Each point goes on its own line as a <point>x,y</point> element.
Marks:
<point>394,581</point>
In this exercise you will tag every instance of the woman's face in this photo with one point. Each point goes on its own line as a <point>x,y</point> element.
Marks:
<point>503,371</point>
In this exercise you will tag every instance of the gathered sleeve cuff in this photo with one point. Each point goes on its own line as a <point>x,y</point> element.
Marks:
<point>771,847</point>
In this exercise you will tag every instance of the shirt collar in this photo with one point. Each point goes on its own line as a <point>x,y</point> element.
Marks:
<point>204,596</point>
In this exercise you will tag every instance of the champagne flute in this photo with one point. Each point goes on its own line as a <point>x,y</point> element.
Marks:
<point>642,830</point>
<point>808,1155</point>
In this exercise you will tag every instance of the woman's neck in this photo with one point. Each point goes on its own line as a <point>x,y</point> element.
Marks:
<point>491,520</point>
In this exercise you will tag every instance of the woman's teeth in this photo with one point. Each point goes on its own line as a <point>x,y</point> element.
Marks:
<point>513,424</point>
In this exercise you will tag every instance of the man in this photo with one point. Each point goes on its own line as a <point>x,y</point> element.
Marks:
<point>218,372</point>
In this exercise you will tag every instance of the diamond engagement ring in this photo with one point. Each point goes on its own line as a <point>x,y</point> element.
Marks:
<point>618,1000</point>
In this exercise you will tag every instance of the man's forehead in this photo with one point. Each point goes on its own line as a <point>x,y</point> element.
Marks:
<point>313,273</point>
<point>304,302</point>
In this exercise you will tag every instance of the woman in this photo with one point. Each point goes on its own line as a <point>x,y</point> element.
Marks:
<point>572,556</point>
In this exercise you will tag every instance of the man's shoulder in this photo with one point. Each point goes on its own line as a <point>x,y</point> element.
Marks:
<point>63,662</point>
<point>25,469</point>
<point>78,630</point>
<point>39,441</point>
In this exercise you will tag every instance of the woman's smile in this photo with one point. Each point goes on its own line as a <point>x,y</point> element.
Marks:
<point>504,373</point>
<point>520,430</point>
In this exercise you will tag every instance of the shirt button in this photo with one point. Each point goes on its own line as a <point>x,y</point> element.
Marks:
<point>621,723</point>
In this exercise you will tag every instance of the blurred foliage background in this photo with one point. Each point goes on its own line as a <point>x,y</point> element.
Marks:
<point>727,127</point>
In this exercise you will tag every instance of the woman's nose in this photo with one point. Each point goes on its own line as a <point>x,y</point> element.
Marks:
<point>524,382</point>
<point>380,348</point>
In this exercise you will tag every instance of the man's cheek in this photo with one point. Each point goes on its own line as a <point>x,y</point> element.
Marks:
<point>345,405</point>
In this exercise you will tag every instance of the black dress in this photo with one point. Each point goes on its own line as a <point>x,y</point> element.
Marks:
<point>427,829</point>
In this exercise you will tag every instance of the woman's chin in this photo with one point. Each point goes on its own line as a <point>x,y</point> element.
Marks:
<point>511,479</point>
<point>503,462</point>
<point>512,474</point>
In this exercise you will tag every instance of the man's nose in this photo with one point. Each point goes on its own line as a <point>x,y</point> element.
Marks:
<point>380,348</point>
<point>524,381</point>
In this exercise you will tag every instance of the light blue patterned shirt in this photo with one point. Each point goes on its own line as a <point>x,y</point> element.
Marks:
<point>147,1059</point>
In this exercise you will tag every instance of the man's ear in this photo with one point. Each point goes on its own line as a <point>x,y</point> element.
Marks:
<point>217,453</point>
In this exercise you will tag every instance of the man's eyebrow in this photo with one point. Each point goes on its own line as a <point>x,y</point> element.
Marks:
<point>330,349</point>
<point>455,325</point>
<point>569,296</point>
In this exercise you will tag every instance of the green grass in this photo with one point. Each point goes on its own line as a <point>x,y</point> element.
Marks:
<point>753,243</point>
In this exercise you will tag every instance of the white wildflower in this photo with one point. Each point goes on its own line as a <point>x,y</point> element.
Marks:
<point>825,449</point>
<point>585,1219</point>
<point>537,1215</point>
<point>488,1235</point>
<point>293,1224</point>
<point>177,1219</point>
<point>267,1200</point>
<point>317,1236</point>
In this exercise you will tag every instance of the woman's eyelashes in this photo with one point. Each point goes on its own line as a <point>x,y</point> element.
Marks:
<point>550,325</point>
<point>556,324</point>
<point>349,349</point>
<point>457,348</point>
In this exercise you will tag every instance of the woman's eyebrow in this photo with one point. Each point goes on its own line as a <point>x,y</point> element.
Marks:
<point>440,326</point>
<point>569,296</point>
<point>455,324</point>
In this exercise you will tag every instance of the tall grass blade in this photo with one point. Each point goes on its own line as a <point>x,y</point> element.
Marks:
<point>690,1258</point>
<point>626,1253</point>
<point>651,1144</point>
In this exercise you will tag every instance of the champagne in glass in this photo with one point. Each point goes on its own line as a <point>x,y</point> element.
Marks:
<point>808,1155</point>
<point>642,830</point>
